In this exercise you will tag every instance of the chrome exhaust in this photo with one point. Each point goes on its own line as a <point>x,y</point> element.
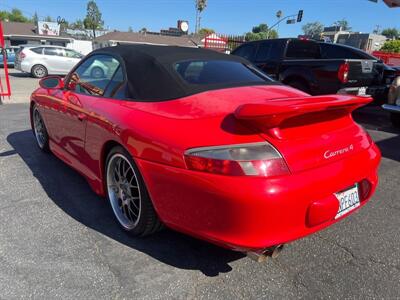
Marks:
<point>263,256</point>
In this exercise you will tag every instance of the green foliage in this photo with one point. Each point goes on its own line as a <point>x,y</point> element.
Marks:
<point>261,32</point>
<point>14,16</point>
<point>93,18</point>
<point>313,29</point>
<point>35,18</point>
<point>391,33</point>
<point>48,19</point>
<point>77,25</point>
<point>344,24</point>
<point>391,46</point>
<point>206,31</point>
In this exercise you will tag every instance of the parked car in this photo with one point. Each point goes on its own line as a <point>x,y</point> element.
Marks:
<point>41,61</point>
<point>10,56</point>
<point>206,144</point>
<point>384,74</point>
<point>303,64</point>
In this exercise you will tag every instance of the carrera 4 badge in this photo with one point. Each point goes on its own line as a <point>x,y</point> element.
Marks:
<point>329,154</point>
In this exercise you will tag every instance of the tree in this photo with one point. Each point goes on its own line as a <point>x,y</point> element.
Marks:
<point>130,29</point>
<point>93,18</point>
<point>313,29</point>
<point>261,32</point>
<point>391,33</point>
<point>344,24</point>
<point>206,31</point>
<point>77,25</point>
<point>391,46</point>
<point>200,7</point>
<point>48,19</point>
<point>143,30</point>
<point>14,16</point>
<point>35,18</point>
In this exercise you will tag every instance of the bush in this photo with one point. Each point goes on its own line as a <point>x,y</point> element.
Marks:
<point>391,46</point>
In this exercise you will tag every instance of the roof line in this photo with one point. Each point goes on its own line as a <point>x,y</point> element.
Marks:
<point>145,43</point>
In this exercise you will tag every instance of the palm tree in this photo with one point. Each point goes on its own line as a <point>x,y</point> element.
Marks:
<point>200,6</point>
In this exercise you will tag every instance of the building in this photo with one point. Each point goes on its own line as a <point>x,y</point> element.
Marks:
<point>119,37</point>
<point>368,42</point>
<point>16,33</point>
<point>365,41</point>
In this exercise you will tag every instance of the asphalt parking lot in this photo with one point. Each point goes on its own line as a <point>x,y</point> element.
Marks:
<point>59,240</point>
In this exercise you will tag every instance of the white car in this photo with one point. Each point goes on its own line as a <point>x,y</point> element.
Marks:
<point>43,60</point>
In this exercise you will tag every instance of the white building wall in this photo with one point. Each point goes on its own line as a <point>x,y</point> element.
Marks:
<point>81,46</point>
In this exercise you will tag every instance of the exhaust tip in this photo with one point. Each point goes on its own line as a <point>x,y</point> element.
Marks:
<point>273,252</point>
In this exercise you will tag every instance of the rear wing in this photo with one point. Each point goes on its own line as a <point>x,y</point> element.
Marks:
<point>274,112</point>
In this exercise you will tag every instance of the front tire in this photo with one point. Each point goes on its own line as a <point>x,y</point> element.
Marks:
<point>39,71</point>
<point>39,130</point>
<point>128,195</point>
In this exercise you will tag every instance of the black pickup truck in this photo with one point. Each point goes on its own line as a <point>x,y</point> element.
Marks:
<point>316,67</point>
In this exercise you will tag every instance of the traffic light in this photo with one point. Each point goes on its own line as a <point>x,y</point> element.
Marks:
<point>300,15</point>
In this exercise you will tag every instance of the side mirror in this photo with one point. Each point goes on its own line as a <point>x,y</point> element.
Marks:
<point>51,82</point>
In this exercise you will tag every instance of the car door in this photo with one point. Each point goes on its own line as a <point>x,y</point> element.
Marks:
<point>54,60</point>
<point>69,118</point>
<point>71,58</point>
<point>267,58</point>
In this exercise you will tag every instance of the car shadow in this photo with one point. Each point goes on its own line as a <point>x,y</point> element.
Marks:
<point>373,117</point>
<point>70,191</point>
<point>18,74</point>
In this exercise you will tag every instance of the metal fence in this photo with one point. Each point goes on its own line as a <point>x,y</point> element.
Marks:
<point>223,43</point>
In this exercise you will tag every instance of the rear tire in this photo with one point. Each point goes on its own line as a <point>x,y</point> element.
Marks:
<point>395,119</point>
<point>39,71</point>
<point>128,195</point>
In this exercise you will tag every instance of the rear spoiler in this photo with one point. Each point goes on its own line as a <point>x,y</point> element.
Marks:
<point>274,112</point>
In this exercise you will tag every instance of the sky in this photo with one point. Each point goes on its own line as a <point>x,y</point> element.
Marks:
<point>224,16</point>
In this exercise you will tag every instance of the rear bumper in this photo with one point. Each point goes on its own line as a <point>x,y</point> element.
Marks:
<point>392,108</point>
<point>247,213</point>
<point>23,66</point>
<point>374,91</point>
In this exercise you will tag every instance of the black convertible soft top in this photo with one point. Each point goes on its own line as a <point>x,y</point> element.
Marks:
<point>152,74</point>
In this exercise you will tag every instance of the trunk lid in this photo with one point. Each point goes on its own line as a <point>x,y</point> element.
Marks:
<point>309,131</point>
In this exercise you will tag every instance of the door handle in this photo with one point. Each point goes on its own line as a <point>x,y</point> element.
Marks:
<point>82,116</point>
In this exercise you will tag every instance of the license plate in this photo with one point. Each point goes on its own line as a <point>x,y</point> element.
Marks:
<point>362,91</point>
<point>348,200</point>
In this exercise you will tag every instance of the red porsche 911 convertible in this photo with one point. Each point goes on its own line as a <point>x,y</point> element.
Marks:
<point>206,144</point>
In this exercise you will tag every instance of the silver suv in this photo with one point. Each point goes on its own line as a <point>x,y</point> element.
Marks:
<point>40,60</point>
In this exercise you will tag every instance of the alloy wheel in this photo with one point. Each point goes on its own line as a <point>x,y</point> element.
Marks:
<point>123,191</point>
<point>39,128</point>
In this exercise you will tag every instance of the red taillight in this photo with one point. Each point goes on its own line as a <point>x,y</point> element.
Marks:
<point>343,73</point>
<point>22,55</point>
<point>259,159</point>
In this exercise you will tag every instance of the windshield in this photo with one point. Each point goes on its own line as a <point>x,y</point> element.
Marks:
<point>209,72</point>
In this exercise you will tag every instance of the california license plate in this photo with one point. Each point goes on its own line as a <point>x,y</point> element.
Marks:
<point>362,91</point>
<point>348,200</point>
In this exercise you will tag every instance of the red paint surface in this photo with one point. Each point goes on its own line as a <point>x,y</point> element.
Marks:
<point>239,212</point>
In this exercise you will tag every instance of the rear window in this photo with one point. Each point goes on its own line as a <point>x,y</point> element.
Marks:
<point>245,51</point>
<point>38,50</point>
<point>303,49</point>
<point>218,72</point>
<point>336,51</point>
